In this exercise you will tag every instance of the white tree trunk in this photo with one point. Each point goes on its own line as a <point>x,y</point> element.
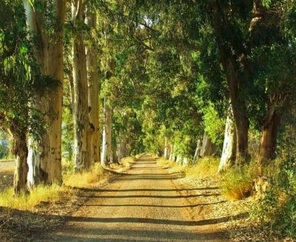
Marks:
<point>229,146</point>
<point>106,155</point>
<point>172,154</point>
<point>49,55</point>
<point>166,148</point>
<point>81,118</point>
<point>197,151</point>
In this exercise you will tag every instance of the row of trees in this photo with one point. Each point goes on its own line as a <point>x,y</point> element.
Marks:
<point>162,77</point>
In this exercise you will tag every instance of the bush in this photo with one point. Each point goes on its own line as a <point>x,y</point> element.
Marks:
<point>237,184</point>
<point>277,210</point>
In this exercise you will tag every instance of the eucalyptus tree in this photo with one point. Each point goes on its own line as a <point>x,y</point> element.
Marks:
<point>15,86</point>
<point>123,59</point>
<point>20,82</point>
<point>82,148</point>
<point>247,42</point>
<point>93,84</point>
<point>45,20</point>
<point>273,70</point>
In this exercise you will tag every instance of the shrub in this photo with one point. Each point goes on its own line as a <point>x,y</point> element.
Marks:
<point>277,210</point>
<point>237,184</point>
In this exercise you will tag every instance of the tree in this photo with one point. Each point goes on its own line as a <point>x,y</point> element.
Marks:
<point>93,86</point>
<point>45,22</point>
<point>274,49</point>
<point>82,148</point>
<point>20,83</point>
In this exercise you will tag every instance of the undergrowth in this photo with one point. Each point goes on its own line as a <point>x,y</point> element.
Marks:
<point>206,166</point>
<point>84,179</point>
<point>55,193</point>
<point>237,184</point>
<point>37,195</point>
<point>276,211</point>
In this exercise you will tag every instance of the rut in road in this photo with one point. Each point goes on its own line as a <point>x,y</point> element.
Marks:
<point>142,205</point>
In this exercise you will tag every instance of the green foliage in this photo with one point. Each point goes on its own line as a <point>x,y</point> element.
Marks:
<point>214,125</point>
<point>20,77</point>
<point>277,210</point>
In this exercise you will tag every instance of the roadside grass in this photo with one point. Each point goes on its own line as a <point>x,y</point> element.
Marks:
<point>204,167</point>
<point>55,193</point>
<point>37,195</point>
<point>237,184</point>
<point>84,179</point>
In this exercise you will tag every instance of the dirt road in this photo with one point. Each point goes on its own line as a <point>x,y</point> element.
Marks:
<point>145,204</point>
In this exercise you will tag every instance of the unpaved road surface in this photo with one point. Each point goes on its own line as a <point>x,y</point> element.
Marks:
<point>144,205</point>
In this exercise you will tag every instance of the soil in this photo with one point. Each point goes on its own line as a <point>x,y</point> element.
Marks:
<point>145,203</point>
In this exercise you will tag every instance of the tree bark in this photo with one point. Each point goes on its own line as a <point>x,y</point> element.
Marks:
<point>229,146</point>
<point>93,93</point>
<point>197,151</point>
<point>81,118</point>
<point>20,152</point>
<point>207,148</point>
<point>267,148</point>
<point>166,152</point>
<point>231,69</point>
<point>106,154</point>
<point>49,55</point>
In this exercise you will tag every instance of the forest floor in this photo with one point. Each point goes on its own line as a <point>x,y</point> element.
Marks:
<point>145,203</point>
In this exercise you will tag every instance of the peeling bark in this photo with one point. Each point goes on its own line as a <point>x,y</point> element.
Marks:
<point>45,159</point>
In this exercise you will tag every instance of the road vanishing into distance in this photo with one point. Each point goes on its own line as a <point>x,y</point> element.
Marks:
<point>145,204</point>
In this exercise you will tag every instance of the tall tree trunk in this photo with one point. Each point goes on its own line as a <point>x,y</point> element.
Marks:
<point>93,92</point>
<point>81,118</point>
<point>267,149</point>
<point>49,55</point>
<point>20,152</point>
<point>207,148</point>
<point>229,146</point>
<point>232,69</point>
<point>197,151</point>
<point>122,149</point>
<point>166,148</point>
<point>106,154</point>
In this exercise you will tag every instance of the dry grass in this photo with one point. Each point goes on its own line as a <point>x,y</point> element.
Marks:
<point>37,195</point>
<point>204,167</point>
<point>237,184</point>
<point>84,179</point>
<point>127,161</point>
<point>170,165</point>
